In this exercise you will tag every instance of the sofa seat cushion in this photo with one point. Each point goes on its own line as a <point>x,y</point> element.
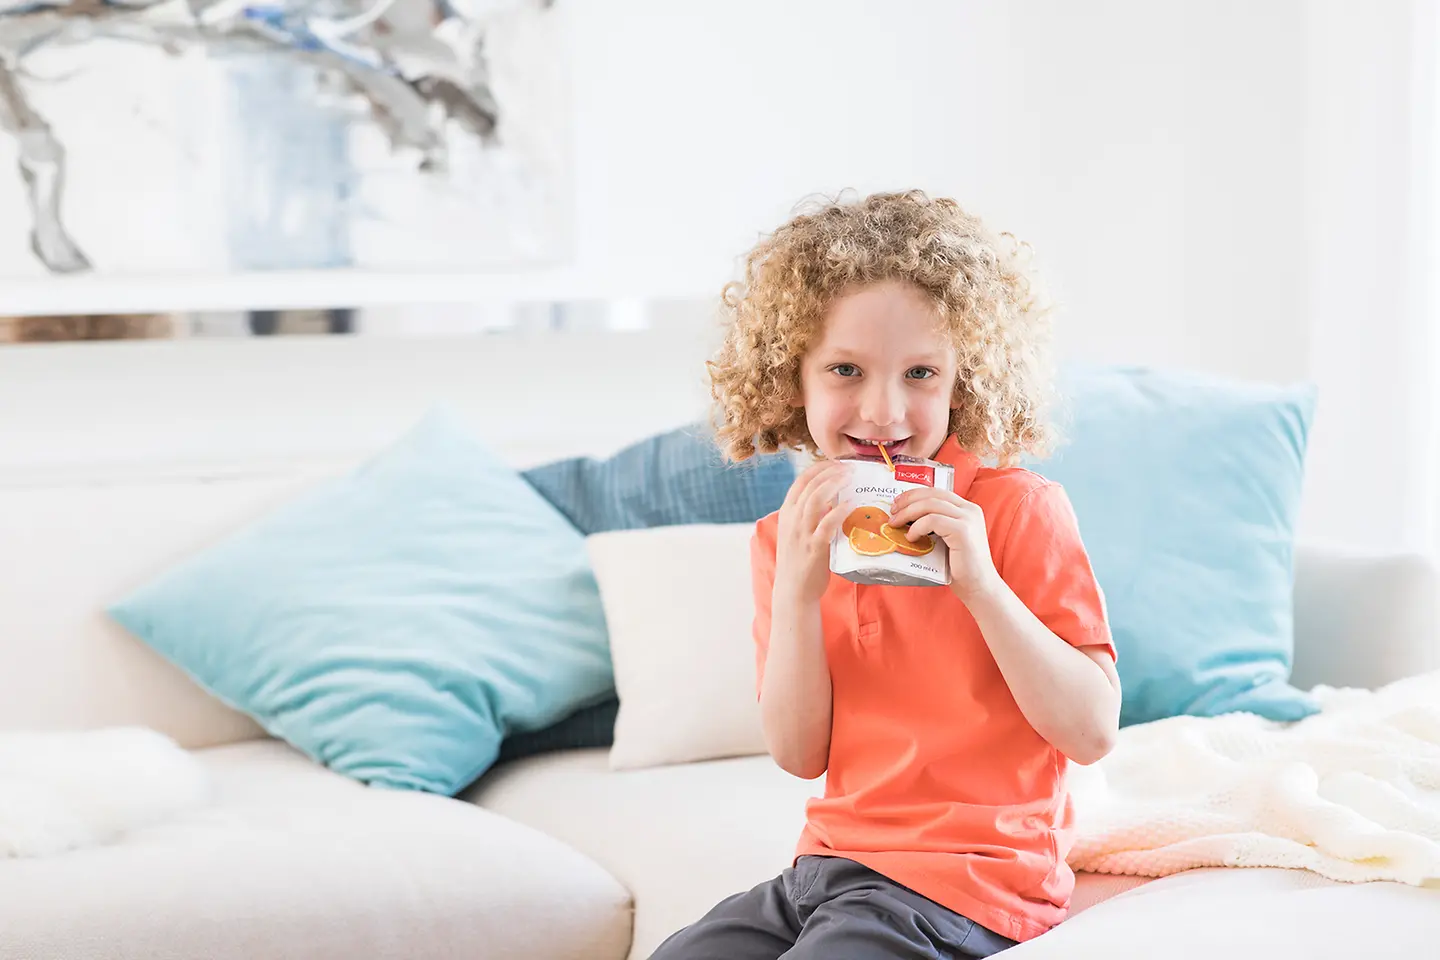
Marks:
<point>290,860</point>
<point>1248,914</point>
<point>679,837</point>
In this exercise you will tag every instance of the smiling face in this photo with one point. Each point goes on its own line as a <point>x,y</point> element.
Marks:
<point>882,371</point>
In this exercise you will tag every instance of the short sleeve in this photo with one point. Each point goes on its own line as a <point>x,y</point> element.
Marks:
<point>1045,562</point>
<point>762,575</point>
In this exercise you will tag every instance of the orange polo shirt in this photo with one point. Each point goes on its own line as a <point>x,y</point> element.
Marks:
<point>935,779</point>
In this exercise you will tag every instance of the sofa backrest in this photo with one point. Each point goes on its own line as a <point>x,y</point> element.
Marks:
<point>117,460</point>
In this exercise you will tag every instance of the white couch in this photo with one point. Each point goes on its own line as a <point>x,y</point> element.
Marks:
<point>117,460</point>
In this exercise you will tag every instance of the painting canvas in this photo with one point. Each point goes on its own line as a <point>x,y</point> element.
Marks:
<point>205,137</point>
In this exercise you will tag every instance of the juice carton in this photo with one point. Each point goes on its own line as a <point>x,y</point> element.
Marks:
<point>867,549</point>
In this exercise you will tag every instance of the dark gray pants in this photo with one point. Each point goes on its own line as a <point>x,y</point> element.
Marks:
<point>830,908</point>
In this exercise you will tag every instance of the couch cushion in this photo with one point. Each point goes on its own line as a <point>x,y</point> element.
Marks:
<point>679,837</point>
<point>1248,914</point>
<point>294,861</point>
<point>689,696</point>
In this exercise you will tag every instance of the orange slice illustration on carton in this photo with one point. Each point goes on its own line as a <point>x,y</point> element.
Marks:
<point>869,519</point>
<point>911,548</point>
<point>869,544</point>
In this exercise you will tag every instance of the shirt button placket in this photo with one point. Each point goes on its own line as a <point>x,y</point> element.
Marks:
<point>867,615</point>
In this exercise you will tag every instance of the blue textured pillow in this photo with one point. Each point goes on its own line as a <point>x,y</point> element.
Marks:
<point>383,623</point>
<point>677,477</point>
<point>1187,489</point>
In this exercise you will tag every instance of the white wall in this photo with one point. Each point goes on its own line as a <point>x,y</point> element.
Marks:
<point>1157,186</point>
<point>1369,235</point>
<point>1226,185</point>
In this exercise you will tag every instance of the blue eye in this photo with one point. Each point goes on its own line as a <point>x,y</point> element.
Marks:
<point>921,373</point>
<point>845,369</point>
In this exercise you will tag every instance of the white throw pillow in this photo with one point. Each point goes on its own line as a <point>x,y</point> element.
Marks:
<point>679,610</point>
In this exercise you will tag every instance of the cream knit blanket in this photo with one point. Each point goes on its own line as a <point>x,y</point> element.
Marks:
<point>1352,793</point>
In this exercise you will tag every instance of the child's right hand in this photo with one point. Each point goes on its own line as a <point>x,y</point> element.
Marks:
<point>809,519</point>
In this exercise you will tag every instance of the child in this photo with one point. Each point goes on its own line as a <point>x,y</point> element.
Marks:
<point>943,719</point>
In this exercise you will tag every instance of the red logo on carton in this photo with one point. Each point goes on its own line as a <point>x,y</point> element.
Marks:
<point>915,473</point>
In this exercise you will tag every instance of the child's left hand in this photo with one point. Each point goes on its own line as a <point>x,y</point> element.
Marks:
<point>960,524</point>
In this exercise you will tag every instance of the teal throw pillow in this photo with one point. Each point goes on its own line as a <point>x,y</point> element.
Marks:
<point>397,623</point>
<point>1187,488</point>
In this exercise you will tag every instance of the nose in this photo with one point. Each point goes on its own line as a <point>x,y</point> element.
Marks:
<point>882,403</point>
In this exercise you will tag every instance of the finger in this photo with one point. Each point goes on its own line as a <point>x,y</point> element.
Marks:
<point>913,499</point>
<point>806,489</point>
<point>929,493</point>
<point>824,470</point>
<point>924,508</point>
<point>932,523</point>
<point>827,471</point>
<point>822,499</point>
<point>808,477</point>
<point>802,482</point>
<point>829,524</point>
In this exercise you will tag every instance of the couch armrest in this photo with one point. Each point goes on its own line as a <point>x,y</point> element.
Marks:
<point>1364,619</point>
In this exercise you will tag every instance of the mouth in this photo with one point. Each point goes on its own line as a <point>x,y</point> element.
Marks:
<point>870,447</point>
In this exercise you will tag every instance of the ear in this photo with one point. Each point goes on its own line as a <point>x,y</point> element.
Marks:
<point>959,395</point>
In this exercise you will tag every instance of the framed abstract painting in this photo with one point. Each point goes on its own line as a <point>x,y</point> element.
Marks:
<point>209,138</point>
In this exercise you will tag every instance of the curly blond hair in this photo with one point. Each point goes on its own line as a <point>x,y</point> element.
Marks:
<point>977,281</point>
